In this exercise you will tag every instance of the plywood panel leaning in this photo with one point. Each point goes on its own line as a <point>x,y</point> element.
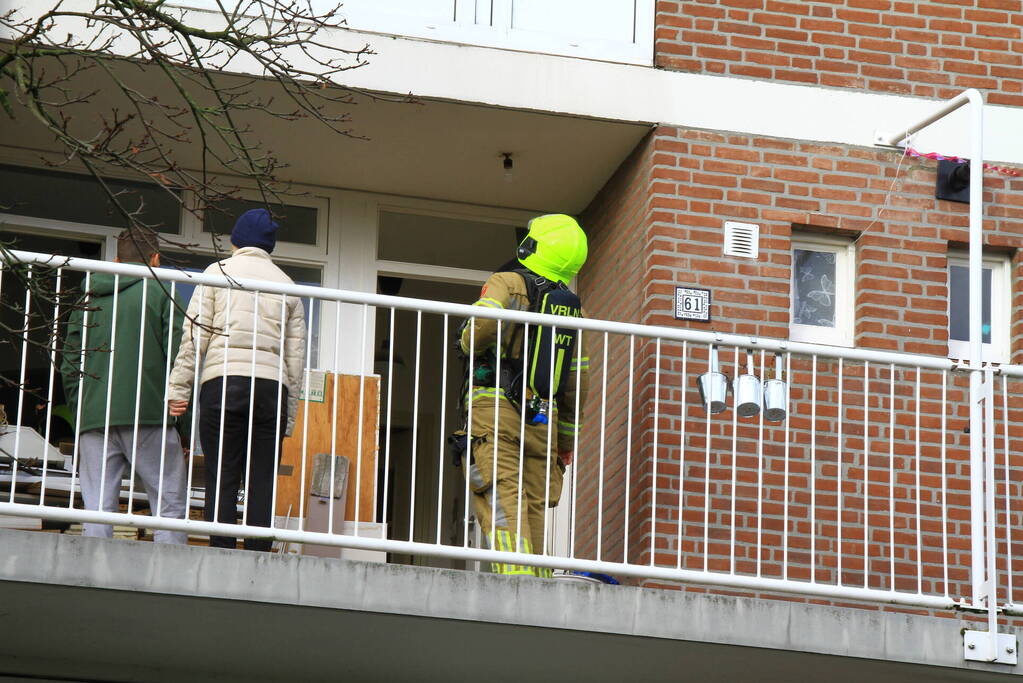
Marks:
<point>331,417</point>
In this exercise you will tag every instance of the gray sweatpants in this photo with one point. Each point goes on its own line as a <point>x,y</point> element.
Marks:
<point>151,440</point>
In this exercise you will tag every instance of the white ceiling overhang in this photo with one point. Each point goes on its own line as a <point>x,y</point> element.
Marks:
<point>428,148</point>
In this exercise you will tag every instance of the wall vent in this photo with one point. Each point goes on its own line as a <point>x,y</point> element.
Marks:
<point>742,239</point>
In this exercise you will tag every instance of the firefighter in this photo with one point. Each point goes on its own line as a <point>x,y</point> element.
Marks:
<point>525,408</point>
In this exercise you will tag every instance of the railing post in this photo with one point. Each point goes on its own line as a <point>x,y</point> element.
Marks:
<point>989,510</point>
<point>978,428</point>
<point>977,543</point>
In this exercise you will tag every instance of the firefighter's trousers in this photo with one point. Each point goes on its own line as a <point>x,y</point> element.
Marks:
<point>527,483</point>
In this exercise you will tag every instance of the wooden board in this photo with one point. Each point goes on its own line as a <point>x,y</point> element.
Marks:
<point>338,410</point>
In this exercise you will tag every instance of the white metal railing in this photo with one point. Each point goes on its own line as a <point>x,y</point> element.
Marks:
<point>856,485</point>
<point>1003,482</point>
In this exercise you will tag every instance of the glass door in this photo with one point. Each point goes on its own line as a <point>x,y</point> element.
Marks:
<point>415,423</point>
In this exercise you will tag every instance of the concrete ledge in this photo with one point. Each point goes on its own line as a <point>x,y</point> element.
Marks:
<point>37,563</point>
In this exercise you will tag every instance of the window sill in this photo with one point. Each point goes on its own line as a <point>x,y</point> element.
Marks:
<point>958,351</point>
<point>812,337</point>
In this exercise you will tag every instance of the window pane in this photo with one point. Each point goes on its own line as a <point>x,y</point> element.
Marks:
<point>451,242</point>
<point>813,287</point>
<point>78,198</point>
<point>88,246</point>
<point>959,304</point>
<point>298,223</point>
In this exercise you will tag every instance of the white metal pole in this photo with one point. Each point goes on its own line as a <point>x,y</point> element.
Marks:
<point>991,519</point>
<point>359,435</point>
<point>974,98</point>
<point>970,96</point>
<point>976,344</point>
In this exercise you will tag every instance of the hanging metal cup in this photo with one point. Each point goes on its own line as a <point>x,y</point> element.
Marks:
<point>748,392</point>
<point>776,395</point>
<point>713,386</point>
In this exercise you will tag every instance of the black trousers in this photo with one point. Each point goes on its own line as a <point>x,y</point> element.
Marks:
<point>225,469</point>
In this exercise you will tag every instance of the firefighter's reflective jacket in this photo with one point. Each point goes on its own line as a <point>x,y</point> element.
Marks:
<point>510,290</point>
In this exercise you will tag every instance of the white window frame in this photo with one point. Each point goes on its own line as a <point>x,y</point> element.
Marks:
<point>322,255</point>
<point>317,255</point>
<point>290,251</point>
<point>845,292</point>
<point>1001,308</point>
<point>421,271</point>
<point>560,520</point>
<point>29,225</point>
<point>37,160</point>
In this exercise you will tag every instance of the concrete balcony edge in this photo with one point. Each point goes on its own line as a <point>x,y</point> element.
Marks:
<point>68,561</point>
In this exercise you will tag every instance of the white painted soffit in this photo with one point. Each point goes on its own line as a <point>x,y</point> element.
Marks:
<point>434,149</point>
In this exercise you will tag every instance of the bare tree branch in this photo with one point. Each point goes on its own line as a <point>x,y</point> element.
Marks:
<point>172,85</point>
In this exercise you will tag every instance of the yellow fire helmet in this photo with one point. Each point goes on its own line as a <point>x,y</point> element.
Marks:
<point>554,248</point>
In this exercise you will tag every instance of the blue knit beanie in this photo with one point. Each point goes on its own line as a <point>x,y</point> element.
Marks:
<point>255,228</point>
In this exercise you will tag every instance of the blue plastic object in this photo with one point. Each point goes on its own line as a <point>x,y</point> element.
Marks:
<point>603,578</point>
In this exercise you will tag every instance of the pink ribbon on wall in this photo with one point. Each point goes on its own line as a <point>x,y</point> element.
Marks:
<point>1004,170</point>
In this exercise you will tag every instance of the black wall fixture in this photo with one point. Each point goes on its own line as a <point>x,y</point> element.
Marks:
<point>953,181</point>
<point>389,286</point>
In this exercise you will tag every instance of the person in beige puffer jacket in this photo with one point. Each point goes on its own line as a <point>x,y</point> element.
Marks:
<point>238,338</point>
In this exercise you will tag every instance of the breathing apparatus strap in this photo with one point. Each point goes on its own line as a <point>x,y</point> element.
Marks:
<point>549,351</point>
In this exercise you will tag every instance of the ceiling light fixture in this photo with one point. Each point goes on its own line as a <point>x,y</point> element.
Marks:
<point>508,165</point>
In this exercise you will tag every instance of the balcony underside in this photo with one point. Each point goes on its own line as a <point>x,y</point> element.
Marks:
<point>87,609</point>
<point>431,148</point>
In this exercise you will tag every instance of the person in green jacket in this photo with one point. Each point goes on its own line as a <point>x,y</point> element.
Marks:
<point>114,365</point>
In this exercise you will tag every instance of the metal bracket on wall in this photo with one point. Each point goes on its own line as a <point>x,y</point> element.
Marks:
<point>977,647</point>
<point>881,139</point>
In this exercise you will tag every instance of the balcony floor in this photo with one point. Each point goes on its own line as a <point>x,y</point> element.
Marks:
<point>88,609</point>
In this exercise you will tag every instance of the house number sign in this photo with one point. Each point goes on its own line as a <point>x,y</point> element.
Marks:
<point>692,304</point>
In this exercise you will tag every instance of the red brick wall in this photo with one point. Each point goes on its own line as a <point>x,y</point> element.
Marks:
<point>612,287</point>
<point>699,179</point>
<point>931,49</point>
<point>903,233</point>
